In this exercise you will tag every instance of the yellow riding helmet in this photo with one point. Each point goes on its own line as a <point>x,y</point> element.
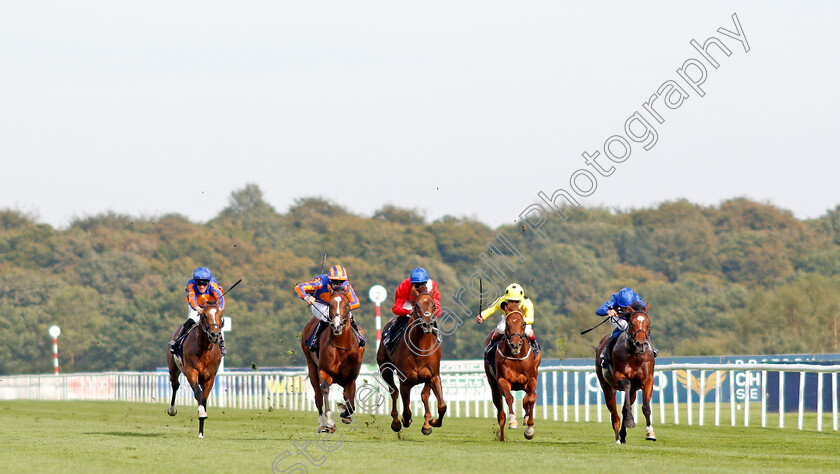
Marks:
<point>514,292</point>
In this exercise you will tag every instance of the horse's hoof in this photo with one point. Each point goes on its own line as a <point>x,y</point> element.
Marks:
<point>406,423</point>
<point>651,438</point>
<point>513,425</point>
<point>201,436</point>
<point>618,442</point>
<point>396,426</point>
<point>346,420</point>
<point>326,429</point>
<point>172,411</point>
<point>426,431</point>
<point>529,432</point>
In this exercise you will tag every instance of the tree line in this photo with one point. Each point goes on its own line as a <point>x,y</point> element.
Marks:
<point>742,277</point>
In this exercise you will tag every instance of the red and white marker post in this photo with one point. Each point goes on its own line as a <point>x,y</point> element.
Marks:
<point>55,331</point>
<point>378,294</point>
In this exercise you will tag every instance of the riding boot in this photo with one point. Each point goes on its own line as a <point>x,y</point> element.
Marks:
<point>534,344</point>
<point>358,333</point>
<point>313,346</point>
<point>175,344</point>
<point>493,341</point>
<point>606,356</point>
<point>655,351</point>
<point>222,345</point>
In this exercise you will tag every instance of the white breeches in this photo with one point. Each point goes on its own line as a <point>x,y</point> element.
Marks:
<point>322,311</point>
<point>619,323</point>
<point>193,314</point>
<point>500,328</point>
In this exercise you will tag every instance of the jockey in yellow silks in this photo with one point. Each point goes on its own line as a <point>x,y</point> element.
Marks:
<point>513,292</point>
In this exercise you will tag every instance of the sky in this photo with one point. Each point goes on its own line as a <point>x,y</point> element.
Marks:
<point>465,108</point>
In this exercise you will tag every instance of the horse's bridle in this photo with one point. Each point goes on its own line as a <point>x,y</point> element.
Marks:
<point>215,339</point>
<point>632,337</point>
<point>510,336</point>
<point>345,317</point>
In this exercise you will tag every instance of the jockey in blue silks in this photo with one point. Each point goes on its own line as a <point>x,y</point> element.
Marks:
<point>625,297</point>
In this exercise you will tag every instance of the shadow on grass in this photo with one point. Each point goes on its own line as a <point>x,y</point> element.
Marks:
<point>127,434</point>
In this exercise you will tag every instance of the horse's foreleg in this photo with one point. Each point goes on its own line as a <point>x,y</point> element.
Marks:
<point>349,403</point>
<point>627,409</point>
<point>427,415</point>
<point>207,388</point>
<point>647,394</point>
<point>198,391</point>
<point>504,387</point>
<point>528,402</point>
<point>388,377</point>
<point>609,399</point>
<point>441,403</point>
<point>326,421</point>
<point>405,393</point>
<point>499,404</point>
<point>173,380</point>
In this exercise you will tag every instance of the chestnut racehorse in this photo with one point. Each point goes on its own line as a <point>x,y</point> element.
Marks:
<point>514,368</point>
<point>416,360</point>
<point>631,369</point>
<point>338,360</point>
<point>201,359</point>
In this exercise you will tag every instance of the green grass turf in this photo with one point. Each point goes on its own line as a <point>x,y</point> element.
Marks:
<point>117,436</point>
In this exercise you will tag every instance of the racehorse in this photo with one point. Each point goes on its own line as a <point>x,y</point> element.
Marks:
<point>338,360</point>
<point>513,369</point>
<point>200,360</point>
<point>416,359</point>
<point>631,369</point>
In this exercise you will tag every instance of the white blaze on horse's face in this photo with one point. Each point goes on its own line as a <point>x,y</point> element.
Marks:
<point>336,320</point>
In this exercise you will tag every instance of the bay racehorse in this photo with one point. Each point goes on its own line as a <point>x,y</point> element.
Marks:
<point>338,360</point>
<point>416,360</point>
<point>514,368</point>
<point>200,360</point>
<point>631,369</point>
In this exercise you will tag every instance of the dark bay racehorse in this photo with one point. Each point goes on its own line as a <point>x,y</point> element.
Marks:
<point>514,368</point>
<point>338,360</point>
<point>631,369</point>
<point>416,360</point>
<point>201,359</point>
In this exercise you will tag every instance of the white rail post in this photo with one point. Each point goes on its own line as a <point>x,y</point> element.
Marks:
<point>688,401</point>
<point>676,397</point>
<point>718,374</point>
<point>702,397</point>
<point>732,401</point>
<point>763,398</point>
<point>554,385</point>
<point>834,399</point>
<point>544,396</point>
<point>819,400</point>
<point>577,397</point>
<point>801,399</point>
<point>781,399</point>
<point>565,396</point>
<point>747,399</point>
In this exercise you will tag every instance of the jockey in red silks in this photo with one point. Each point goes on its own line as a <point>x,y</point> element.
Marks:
<point>201,289</point>
<point>404,303</point>
<point>317,294</point>
<point>625,298</point>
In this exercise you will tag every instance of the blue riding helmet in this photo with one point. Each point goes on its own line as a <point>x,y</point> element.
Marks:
<point>419,275</point>
<point>625,297</point>
<point>202,273</point>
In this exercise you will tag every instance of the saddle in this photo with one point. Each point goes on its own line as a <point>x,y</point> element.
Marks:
<point>394,333</point>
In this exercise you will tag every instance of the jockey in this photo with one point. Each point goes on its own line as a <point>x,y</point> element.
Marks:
<point>513,292</point>
<point>625,298</point>
<point>317,294</point>
<point>201,289</point>
<point>403,302</point>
